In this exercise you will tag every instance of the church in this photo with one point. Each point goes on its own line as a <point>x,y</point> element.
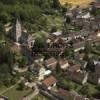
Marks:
<point>19,35</point>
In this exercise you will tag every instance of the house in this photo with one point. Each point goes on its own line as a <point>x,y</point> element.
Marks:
<point>86,16</point>
<point>94,38</point>
<point>76,11</point>
<point>79,56</point>
<point>59,42</point>
<point>74,68</point>
<point>79,97</point>
<point>79,77</point>
<point>58,33</point>
<point>97,5</point>
<point>75,35</point>
<point>35,68</point>
<point>41,73</point>
<point>84,32</point>
<point>97,68</point>
<point>69,13</point>
<point>94,25</point>
<point>49,82</point>
<point>39,59</point>
<point>64,64</point>
<point>79,46</point>
<point>65,95</point>
<point>78,22</point>
<point>51,63</point>
<point>27,39</point>
<point>94,78</point>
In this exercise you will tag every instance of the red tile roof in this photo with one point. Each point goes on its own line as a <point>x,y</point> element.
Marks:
<point>49,81</point>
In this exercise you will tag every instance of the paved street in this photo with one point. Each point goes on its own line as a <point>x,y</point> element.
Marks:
<point>35,92</point>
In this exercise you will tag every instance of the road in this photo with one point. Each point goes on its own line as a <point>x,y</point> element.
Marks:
<point>1,93</point>
<point>35,92</point>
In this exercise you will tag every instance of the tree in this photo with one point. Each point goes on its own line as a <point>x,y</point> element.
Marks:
<point>56,4</point>
<point>65,84</point>
<point>69,52</point>
<point>40,44</point>
<point>58,68</point>
<point>86,57</point>
<point>2,29</point>
<point>23,62</point>
<point>13,81</point>
<point>90,65</point>
<point>68,19</point>
<point>4,17</point>
<point>21,86</point>
<point>54,29</point>
<point>6,56</point>
<point>84,90</point>
<point>7,82</point>
<point>88,48</point>
<point>93,10</point>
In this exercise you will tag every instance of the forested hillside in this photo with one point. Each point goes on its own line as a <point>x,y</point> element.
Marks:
<point>28,11</point>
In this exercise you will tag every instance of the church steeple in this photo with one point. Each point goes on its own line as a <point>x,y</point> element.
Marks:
<point>18,30</point>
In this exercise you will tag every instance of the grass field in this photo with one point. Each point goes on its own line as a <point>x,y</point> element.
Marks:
<point>82,3</point>
<point>14,94</point>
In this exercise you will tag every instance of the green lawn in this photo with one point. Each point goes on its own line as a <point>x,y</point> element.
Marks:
<point>14,94</point>
<point>54,21</point>
<point>95,54</point>
<point>2,88</point>
<point>92,88</point>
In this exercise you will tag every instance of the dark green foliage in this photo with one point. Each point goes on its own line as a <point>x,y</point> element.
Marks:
<point>5,56</point>
<point>29,11</point>
<point>40,44</point>
<point>23,62</point>
<point>2,30</point>
<point>93,10</point>
<point>5,76</point>
<point>68,19</point>
<point>21,86</point>
<point>69,53</point>
<point>54,29</point>
<point>64,83</point>
<point>84,90</point>
<point>58,68</point>
<point>13,81</point>
<point>6,64</point>
<point>90,65</point>
<point>88,48</point>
